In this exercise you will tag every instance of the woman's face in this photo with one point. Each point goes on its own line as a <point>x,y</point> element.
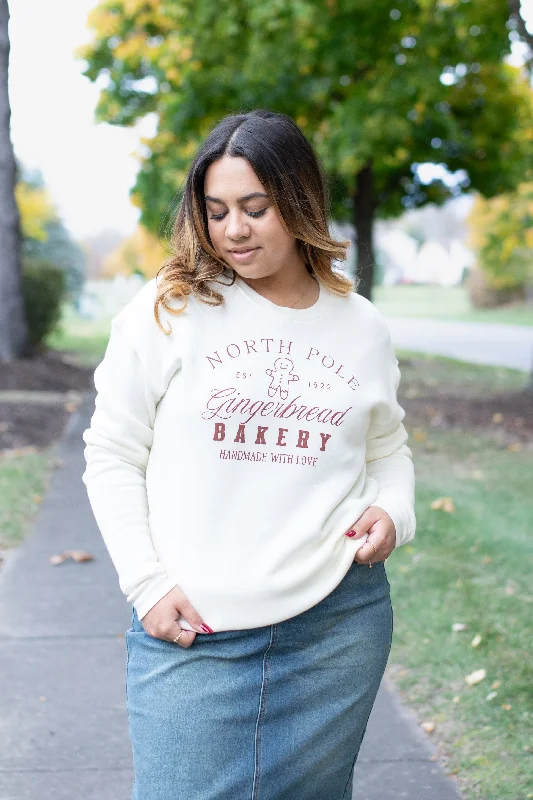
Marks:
<point>241,216</point>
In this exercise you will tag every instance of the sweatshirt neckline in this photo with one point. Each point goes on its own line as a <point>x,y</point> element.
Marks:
<point>318,308</point>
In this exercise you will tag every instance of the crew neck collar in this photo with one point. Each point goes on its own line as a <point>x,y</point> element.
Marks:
<point>319,308</point>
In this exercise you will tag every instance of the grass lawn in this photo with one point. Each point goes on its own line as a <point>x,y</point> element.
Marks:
<point>460,377</point>
<point>24,478</point>
<point>84,337</point>
<point>472,566</point>
<point>444,302</point>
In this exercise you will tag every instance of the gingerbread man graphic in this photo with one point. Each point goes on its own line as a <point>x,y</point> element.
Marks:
<point>281,376</point>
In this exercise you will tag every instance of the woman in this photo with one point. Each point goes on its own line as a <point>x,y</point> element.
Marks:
<point>248,468</point>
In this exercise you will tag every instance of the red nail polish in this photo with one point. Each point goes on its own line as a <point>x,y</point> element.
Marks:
<point>206,628</point>
<point>351,532</point>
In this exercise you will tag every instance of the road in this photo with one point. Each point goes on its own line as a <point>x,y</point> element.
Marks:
<point>483,343</point>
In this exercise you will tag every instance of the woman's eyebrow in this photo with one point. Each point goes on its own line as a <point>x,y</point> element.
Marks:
<point>239,199</point>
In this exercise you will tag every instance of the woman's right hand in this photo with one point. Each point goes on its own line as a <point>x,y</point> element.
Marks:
<point>161,621</point>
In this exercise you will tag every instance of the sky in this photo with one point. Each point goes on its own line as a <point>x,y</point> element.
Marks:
<point>87,167</point>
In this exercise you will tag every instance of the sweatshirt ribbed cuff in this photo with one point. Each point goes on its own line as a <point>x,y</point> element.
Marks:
<point>401,513</point>
<point>149,593</point>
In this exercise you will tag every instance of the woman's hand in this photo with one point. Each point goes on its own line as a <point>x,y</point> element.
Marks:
<point>381,532</point>
<point>161,621</point>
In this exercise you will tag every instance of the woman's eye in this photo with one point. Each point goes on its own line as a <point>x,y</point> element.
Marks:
<point>250,213</point>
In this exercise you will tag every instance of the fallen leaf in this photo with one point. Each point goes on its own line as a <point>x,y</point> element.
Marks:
<point>476,641</point>
<point>81,555</point>
<point>515,447</point>
<point>486,560</point>
<point>58,559</point>
<point>419,435</point>
<point>429,727</point>
<point>443,504</point>
<point>506,706</point>
<point>496,684</point>
<point>497,417</point>
<point>459,626</point>
<point>76,555</point>
<point>475,677</point>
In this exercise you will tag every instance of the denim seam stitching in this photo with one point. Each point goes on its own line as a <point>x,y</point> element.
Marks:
<point>261,713</point>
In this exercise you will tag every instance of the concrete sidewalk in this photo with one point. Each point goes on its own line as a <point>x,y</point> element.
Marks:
<point>63,727</point>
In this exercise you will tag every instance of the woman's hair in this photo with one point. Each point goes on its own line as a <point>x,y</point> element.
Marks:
<point>285,163</point>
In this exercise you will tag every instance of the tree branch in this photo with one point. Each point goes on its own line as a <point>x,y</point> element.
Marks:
<point>521,27</point>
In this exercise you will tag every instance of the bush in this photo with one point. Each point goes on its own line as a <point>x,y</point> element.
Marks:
<point>501,231</point>
<point>484,295</point>
<point>43,288</point>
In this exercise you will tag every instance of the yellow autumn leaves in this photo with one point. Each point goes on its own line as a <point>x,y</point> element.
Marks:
<point>140,252</point>
<point>501,230</point>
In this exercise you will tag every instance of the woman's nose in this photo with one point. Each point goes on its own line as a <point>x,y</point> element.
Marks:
<point>237,227</point>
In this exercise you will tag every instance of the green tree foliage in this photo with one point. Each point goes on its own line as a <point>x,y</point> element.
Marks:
<point>380,87</point>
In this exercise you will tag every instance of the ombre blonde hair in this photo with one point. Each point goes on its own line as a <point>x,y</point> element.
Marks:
<point>286,165</point>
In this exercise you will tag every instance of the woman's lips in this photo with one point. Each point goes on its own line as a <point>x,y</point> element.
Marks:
<point>243,256</point>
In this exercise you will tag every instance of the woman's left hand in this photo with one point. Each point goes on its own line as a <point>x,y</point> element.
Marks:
<point>381,532</point>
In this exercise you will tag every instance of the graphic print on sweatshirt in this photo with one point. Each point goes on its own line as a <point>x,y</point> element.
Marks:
<point>277,401</point>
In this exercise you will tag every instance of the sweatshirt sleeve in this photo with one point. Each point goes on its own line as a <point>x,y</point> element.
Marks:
<point>117,448</point>
<point>388,457</point>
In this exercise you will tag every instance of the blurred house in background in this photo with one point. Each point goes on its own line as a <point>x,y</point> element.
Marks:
<point>427,245</point>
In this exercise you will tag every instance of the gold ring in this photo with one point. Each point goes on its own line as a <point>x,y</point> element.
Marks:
<point>372,544</point>
<point>370,564</point>
<point>178,637</point>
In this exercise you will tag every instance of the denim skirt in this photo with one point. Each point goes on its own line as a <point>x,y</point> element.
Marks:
<point>270,713</point>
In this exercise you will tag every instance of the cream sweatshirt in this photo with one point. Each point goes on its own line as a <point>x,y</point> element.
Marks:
<point>230,457</point>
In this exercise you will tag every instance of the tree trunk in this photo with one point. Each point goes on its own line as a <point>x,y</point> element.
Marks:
<point>13,330</point>
<point>363,223</point>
